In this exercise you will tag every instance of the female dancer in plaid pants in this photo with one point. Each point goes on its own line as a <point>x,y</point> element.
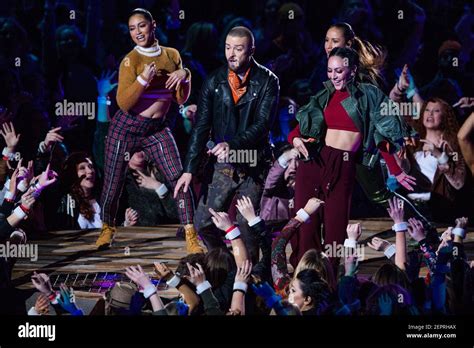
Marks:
<point>150,78</point>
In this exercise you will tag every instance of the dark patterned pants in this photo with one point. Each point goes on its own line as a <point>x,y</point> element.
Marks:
<point>127,135</point>
<point>218,195</point>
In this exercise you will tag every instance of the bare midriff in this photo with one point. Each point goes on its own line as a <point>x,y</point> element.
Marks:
<point>152,108</point>
<point>343,139</point>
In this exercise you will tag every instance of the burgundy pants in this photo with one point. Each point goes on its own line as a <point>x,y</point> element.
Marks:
<point>330,177</point>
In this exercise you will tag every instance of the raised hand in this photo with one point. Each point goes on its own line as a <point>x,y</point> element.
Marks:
<point>406,181</point>
<point>220,219</point>
<point>42,304</point>
<point>66,299</point>
<point>385,304</point>
<point>403,81</point>
<point>465,102</point>
<point>396,210</point>
<point>11,138</point>
<point>162,271</point>
<point>26,174</point>
<point>137,275</point>
<point>312,205</point>
<point>103,83</point>
<point>13,180</point>
<point>196,274</point>
<point>28,199</point>
<point>416,229</point>
<point>243,272</point>
<point>461,222</point>
<point>52,137</point>
<point>354,231</point>
<point>131,217</point>
<point>42,283</point>
<point>48,177</point>
<point>245,207</point>
<point>146,181</point>
<point>378,244</point>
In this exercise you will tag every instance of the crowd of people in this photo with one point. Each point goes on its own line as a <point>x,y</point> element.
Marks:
<point>339,116</point>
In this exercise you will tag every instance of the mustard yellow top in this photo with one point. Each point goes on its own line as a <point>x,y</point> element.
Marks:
<point>130,90</point>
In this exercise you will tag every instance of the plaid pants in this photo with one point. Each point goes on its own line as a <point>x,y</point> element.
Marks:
<point>127,135</point>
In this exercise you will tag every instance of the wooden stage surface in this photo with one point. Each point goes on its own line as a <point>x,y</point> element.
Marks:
<point>74,252</point>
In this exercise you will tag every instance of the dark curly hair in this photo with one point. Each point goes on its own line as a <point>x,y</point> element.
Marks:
<point>71,183</point>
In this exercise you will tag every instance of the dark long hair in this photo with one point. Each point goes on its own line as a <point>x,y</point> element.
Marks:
<point>219,263</point>
<point>71,183</point>
<point>371,57</point>
<point>141,11</point>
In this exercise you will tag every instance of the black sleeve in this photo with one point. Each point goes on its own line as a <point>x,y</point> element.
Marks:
<point>201,130</point>
<point>6,208</point>
<point>262,268</point>
<point>5,230</point>
<point>211,304</point>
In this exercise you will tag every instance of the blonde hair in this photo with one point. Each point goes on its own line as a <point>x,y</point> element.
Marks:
<point>317,260</point>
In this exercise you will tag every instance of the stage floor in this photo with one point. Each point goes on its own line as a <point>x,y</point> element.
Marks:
<point>71,256</point>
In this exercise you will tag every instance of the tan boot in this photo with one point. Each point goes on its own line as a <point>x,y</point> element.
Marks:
<point>106,237</point>
<point>192,242</point>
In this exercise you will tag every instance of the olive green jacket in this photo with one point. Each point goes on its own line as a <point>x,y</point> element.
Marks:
<point>373,113</point>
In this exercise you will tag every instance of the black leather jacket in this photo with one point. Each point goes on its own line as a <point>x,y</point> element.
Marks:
<point>244,125</point>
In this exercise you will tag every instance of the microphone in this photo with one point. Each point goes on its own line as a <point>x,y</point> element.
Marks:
<point>210,144</point>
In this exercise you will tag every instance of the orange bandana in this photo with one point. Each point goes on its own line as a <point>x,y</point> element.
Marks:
<point>237,86</point>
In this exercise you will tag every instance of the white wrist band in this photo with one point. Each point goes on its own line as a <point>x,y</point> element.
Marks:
<point>9,195</point>
<point>42,147</point>
<point>22,186</point>
<point>7,184</point>
<point>458,231</point>
<point>443,159</point>
<point>282,161</point>
<point>254,221</point>
<point>400,227</point>
<point>350,243</point>
<point>200,288</point>
<point>234,233</point>
<point>149,290</point>
<point>240,286</point>
<point>19,213</point>
<point>173,282</point>
<point>142,81</point>
<point>162,191</point>
<point>303,215</point>
<point>33,311</point>
<point>390,251</point>
<point>7,153</point>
